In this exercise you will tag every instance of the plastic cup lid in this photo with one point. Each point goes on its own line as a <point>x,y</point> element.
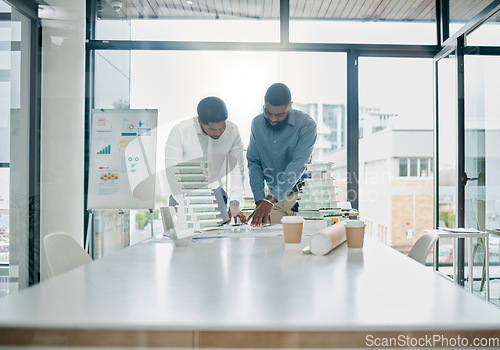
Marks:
<point>355,223</point>
<point>292,220</point>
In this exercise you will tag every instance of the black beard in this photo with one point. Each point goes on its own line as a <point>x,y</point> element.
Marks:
<point>277,126</point>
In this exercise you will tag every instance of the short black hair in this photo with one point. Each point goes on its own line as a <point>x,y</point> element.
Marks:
<point>278,94</point>
<point>212,110</point>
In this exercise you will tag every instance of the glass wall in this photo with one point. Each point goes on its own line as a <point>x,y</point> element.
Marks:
<point>357,21</point>
<point>252,21</point>
<point>462,12</point>
<point>175,81</point>
<point>14,148</point>
<point>488,34</point>
<point>396,148</point>
<point>447,136</point>
<point>112,79</point>
<point>5,102</point>
<point>479,161</point>
<point>482,160</point>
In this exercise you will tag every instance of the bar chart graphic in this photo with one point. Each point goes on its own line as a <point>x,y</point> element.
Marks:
<point>105,150</point>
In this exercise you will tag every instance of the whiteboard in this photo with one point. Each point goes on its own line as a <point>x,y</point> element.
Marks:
<point>122,163</point>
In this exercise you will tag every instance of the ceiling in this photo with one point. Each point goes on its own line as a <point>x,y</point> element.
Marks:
<point>365,10</point>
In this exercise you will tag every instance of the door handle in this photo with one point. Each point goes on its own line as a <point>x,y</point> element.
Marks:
<point>467,179</point>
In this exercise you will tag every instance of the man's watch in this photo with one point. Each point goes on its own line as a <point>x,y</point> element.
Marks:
<point>234,202</point>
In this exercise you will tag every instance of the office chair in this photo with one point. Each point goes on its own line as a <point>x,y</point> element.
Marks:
<point>63,253</point>
<point>423,246</point>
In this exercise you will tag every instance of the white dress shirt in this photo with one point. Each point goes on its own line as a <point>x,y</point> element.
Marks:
<point>188,142</point>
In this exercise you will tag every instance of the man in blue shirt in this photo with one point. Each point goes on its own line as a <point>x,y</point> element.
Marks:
<point>281,143</point>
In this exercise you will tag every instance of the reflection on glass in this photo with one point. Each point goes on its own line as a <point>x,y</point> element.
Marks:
<point>5,111</point>
<point>413,166</point>
<point>488,34</point>
<point>462,12</point>
<point>424,167</point>
<point>112,79</point>
<point>227,21</point>
<point>403,167</point>
<point>175,81</point>
<point>386,22</point>
<point>14,149</point>
<point>482,160</point>
<point>482,141</point>
<point>447,129</point>
<point>395,121</point>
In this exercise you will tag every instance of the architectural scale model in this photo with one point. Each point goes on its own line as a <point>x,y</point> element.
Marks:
<point>197,208</point>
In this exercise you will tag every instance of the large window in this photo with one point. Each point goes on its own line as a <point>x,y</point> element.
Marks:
<point>482,140</point>
<point>15,104</point>
<point>395,151</point>
<point>395,94</point>
<point>175,81</point>
<point>447,135</point>
<point>482,163</point>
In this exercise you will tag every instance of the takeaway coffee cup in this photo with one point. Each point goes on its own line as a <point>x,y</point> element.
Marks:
<point>355,233</point>
<point>292,228</point>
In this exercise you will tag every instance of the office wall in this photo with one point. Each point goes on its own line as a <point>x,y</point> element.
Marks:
<point>62,125</point>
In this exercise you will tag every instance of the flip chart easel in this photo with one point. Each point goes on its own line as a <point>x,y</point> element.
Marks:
<point>122,163</point>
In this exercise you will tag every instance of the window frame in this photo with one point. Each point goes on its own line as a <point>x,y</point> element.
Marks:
<point>29,271</point>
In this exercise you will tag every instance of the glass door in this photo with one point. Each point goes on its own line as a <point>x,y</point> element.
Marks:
<point>477,97</point>
<point>396,148</point>
<point>482,142</point>
<point>447,167</point>
<point>447,162</point>
<point>15,112</point>
<point>482,126</point>
<point>468,125</point>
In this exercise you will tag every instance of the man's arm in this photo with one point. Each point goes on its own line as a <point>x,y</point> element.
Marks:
<point>295,169</point>
<point>255,170</point>
<point>263,205</point>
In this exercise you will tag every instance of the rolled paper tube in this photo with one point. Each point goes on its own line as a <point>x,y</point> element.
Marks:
<point>325,240</point>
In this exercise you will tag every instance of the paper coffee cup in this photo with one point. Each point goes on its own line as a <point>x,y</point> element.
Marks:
<point>292,228</point>
<point>355,233</point>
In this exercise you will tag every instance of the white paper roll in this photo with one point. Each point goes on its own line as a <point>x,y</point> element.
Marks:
<point>325,240</point>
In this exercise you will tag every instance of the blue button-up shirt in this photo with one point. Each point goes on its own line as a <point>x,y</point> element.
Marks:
<point>278,156</point>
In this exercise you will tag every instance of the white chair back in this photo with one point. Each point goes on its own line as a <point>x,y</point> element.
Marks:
<point>423,246</point>
<point>63,253</point>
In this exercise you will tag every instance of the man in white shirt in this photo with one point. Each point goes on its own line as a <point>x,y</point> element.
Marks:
<point>209,137</point>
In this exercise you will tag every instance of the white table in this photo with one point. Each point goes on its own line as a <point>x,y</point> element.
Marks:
<point>243,292</point>
<point>469,236</point>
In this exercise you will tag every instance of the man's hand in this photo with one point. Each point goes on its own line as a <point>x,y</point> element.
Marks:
<point>235,212</point>
<point>261,214</point>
